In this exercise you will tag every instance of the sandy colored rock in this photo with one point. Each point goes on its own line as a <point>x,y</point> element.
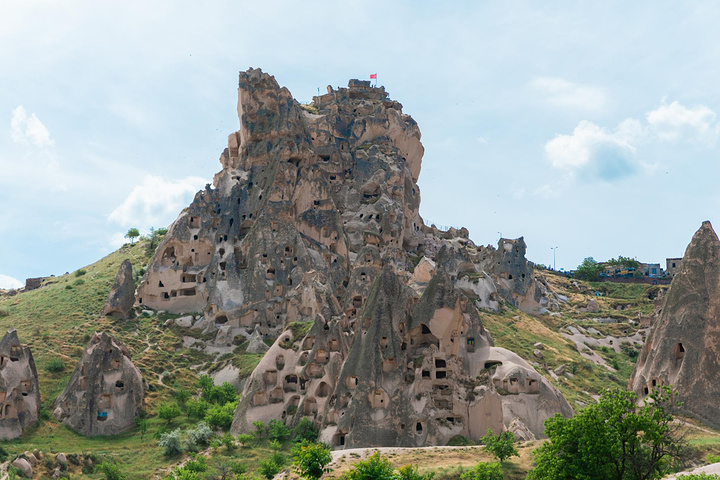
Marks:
<point>314,218</point>
<point>24,466</point>
<point>122,295</point>
<point>19,393</point>
<point>683,346</point>
<point>105,392</point>
<point>256,343</point>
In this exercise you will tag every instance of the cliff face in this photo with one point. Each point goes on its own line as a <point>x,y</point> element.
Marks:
<point>683,347</point>
<point>314,217</point>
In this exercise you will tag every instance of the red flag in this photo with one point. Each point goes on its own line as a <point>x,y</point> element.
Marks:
<point>373,75</point>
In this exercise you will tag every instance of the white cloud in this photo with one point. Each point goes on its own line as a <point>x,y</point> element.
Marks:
<point>674,122</point>
<point>156,202</point>
<point>562,93</point>
<point>7,282</point>
<point>595,151</point>
<point>28,129</point>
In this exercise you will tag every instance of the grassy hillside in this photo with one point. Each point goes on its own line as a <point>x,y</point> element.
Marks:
<point>57,321</point>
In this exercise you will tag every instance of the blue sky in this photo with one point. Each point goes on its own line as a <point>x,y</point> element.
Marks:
<point>590,126</point>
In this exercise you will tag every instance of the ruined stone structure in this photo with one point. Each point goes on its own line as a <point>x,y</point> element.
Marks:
<point>314,217</point>
<point>122,295</point>
<point>105,392</point>
<point>19,393</point>
<point>683,346</point>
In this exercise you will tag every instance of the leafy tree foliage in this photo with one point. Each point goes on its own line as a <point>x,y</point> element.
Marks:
<point>310,460</point>
<point>589,269</point>
<point>410,472</point>
<point>305,430</point>
<point>171,443</point>
<point>277,430</point>
<point>484,471</point>
<point>132,234</point>
<point>614,439</point>
<point>500,446</point>
<point>374,467</point>
<point>221,416</point>
<point>111,471</point>
<point>169,411</point>
<point>626,262</point>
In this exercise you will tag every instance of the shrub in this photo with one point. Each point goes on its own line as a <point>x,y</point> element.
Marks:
<point>373,468</point>
<point>111,471</point>
<point>55,365</point>
<point>169,411</point>
<point>305,430</point>
<point>310,460</point>
<point>277,430</point>
<point>259,428</point>
<point>201,435</point>
<point>228,441</point>
<point>196,408</point>
<point>268,468</point>
<point>171,443</point>
<point>245,439</point>
<point>410,472</point>
<point>219,416</point>
<point>484,471</point>
<point>80,273</point>
<point>501,446</point>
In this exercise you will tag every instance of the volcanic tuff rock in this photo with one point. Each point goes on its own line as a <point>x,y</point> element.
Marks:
<point>19,393</point>
<point>683,346</point>
<point>105,392</point>
<point>122,295</point>
<point>314,217</point>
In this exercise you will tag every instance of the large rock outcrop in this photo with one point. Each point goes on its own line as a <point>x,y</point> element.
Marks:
<point>105,392</point>
<point>314,218</point>
<point>19,393</point>
<point>683,346</point>
<point>121,298</point>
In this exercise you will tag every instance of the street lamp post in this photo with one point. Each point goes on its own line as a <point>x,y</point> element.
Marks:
<point>553,249</point>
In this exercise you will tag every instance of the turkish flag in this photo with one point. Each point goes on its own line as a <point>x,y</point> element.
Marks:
<point>373,75</point>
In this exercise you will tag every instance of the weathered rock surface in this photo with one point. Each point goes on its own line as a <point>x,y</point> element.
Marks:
<point>19,393</point>
<point>683,346</point>
<point>255,342</point>
<point>122,295</point>
<point>314,217</point>
<point>105,392</point>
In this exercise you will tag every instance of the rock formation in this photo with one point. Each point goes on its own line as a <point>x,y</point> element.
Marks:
<point>122,295</point>
<point>105,392</point>
<point>19,393</point>
<point>314,217</point>
<point>683,346</point>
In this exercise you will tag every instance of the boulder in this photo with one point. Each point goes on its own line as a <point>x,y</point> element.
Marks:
<point>105,392</point>
<point>19,393</point>
<point>122,294</point>
<point>24,466</point>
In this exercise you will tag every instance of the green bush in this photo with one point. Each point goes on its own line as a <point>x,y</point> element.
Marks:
<point>219,416</point>
<point>111,471</point>
<point>374,467</point>
<point>484,471</point>
<point>171,443</point>
<point>410,472</point>
<point>310,460</point>
<point>305,430</point>
<point>55,365</point>
<point>277,430</point>
<point>244,439</point>
<point>500,446</point>
<point>80,273</point>
<point>169,411</point>
<point>268,468</point>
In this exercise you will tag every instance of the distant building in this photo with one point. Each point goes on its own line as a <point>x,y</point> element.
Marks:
<point>651,270</point>
<point>672,266</point>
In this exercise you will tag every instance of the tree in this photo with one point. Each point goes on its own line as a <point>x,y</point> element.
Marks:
<point>373,468</point>
<point>310,460</point>
<point>500,446</point>
<point>589,269</point>
<point>169,411</point>
<point>410,472</point>
<point>277,430</point>
<point>615,439</point>
<point>484,471</point>
<point>626,262</point>
<point>305,430</point>
<point>111,471</point>
<point>132,234</point>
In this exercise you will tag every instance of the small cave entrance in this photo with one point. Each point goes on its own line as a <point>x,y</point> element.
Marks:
<point>679,351</point>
